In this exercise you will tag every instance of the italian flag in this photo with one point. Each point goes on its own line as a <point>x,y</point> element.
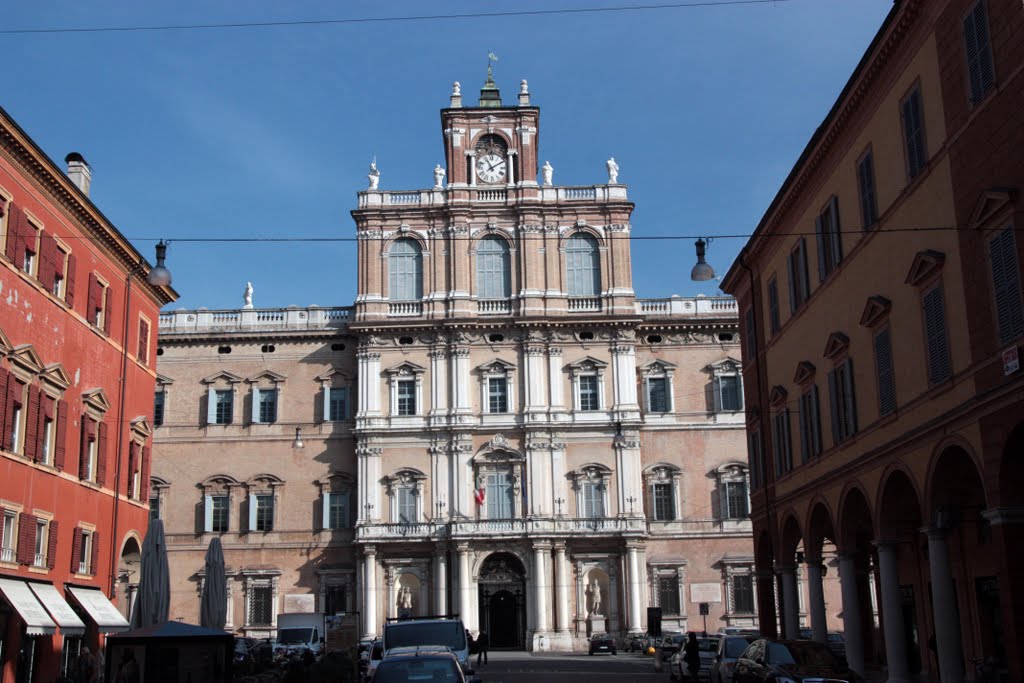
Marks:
<point>479,495</point>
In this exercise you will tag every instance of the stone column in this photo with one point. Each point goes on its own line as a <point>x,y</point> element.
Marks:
<point>534,384</point>
<point>471,158</point>
<point>441,580</point>
<point>948,644</point>
<point>370,592</point>
<point>557,401</point>
<point>790,602</point>
<point>438,382</point>
<point>633,582</point>
<point>766,601</point>
<point>511,165</point>
<point>816,598</point>
<point>465,587</point>
<point>460,390</point>
<point>541,584</point>
<point>852,626</point>
<point>561,590</point>
<point>624,376</point>
<point>892,612</point>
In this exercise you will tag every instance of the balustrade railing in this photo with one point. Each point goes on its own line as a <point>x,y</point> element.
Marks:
<point>579,193</point>
<point>696,306</point>
<point>314,317</point>
<point>584,303</point>
<point>403,198</point>
<point>491,195</point>
<point>494,306</point>
<point>405,308</point>
<point>6,554</point>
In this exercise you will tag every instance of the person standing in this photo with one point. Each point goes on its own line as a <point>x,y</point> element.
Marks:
<point>85,670</point>
<point>691,655</point>
<point>483,641</point>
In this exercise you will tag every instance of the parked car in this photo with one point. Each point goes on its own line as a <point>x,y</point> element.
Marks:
<point>602,642</point>
<point>670,643</point>
<point>836,642</point>
<point>422,664</point>
<point>793,660</point>
<point>262,654</point>
<point>707,645</point>
<point>730,647</point>
<point>636,642</point>
<point>374,659</point>
<point>243,661</point>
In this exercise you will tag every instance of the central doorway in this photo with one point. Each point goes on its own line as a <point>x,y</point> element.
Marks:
<point>502,600</point>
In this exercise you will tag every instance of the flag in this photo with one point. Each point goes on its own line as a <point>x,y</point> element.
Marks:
<point>492,57</point>
<point>479,495</point>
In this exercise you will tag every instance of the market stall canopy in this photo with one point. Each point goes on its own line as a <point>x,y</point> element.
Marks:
<point>101,610</point>
<point>59,609</point>
<point>23,600</point>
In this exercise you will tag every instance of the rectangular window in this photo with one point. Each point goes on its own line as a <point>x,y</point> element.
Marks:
<point>755,458</point>
<point>28,264</point>
<point>223,405</point>
<point>15,442</point>
<point>1002,253</point>
<point>829,239</point>
<point>751,334</point>
<point>743,594</point>
<point>980,70</point>
<point>498,494</point>
<point>593,499</point>
<point>407,505</point>
<point>799,281</point>
<point>730,394</point>
<point>98,303</point>
<point>46,443</point>
<point>8,538</point>
<point>265,512</point>
<point>406,397</point>
<point>866,187</point>
<point>913,133</point>
<point>261,605</point>
<point>774,321</point>
<point>337,510</point>
<point>884,374</point>
<point>268,406</point>
<point>335,600</point>
<point>158,408</point>
<point>781,436</point>
<point>89,466</point>
<point>337,403</point>
<point>664,502</point>
<point>810,424</point>
<point>936,343</point>
<point>85,552</point>
<point>736,500</point>
<point>668,595</point>
<point>588,393</point>
<point>143,354</point>
<point>59,267</point>
<point>497,395</point>
<point>219,514</point>
<point>40,554</point>
<point>154,507</point>
<point>657,395</point>
<point>842,401</point>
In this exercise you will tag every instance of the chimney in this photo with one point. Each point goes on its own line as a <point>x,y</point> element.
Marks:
<point>79,171</point>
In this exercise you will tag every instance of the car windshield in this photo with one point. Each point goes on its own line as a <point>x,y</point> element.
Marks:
<point>417,669</point>
<point>806,654</point>
<point>292,636</point>
<point>734,647</point>
<point>449,634</point>
<point>707,644</point>
<point>241,647</point>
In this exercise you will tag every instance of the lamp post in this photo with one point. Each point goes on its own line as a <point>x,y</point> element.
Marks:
<point>558,502</point>
<point>701,271</point>
<point>158,276</point>
<point>298,443</point>
<point>630,500</point>
<point>440,508</point>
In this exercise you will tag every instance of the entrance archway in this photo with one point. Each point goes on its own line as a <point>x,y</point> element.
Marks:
<point>502,600</point>
<point>128,567</point>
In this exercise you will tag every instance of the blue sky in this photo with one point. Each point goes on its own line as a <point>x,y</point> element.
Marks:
<point>267,132</point>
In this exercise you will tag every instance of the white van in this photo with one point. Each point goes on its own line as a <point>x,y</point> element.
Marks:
<point>444,631</point>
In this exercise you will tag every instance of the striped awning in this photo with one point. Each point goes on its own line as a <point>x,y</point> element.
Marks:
<point>24,602</point>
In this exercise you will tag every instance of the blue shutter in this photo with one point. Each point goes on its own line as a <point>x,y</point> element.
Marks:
<point>211,406</point>
<point>1006,285</point>
<point>252,512</point>
<point>493,268</point>
<point>979,56</point>
<point>255,417</point>
<point>325,522</point>
<point>207,514</point>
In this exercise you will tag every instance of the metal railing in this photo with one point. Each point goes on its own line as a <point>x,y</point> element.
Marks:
<point>39,560</point>
<point>83,567</point>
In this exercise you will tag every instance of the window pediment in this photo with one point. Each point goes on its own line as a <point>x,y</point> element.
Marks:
<point>406,369</point>
<point>777,396</point>
<point>25,362</point>
<point>726,366</point>
<point>732,471</point>
<point>496,367</point>
<point>925,264</point>
<point>164,380</point>
<point>837,344</point>
<point>593,472</point>
<point>804,372</point>
<point>587,366</point>
<point>97,400</point>
<point>224,376</point>
<point>990,205</point>
<point>264,482</point>
<point>56,377</point>
<point>267,377</point>
<point>658,368</point>
<point>219,482</point>
<point>5,344</point>
<point>662,473</point>
<point>141,428</point>
<point>336,482</point>
<point>156,483</point>
<point>875,310</point>
<point>332,375</point>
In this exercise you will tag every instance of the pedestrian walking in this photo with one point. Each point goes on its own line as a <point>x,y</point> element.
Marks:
<point>691,655</point>
<point>483,641</point>
<point>85,670</point>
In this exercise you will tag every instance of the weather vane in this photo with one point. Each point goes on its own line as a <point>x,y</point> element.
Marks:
<point>491,58</point>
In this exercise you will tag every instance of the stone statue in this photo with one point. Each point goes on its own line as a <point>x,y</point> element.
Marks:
<point>438,177</point>
<point>594,595</point>
<point>456,89</point>
<point>546,170</point>
<point>523,88</point>
<point>613,171</point>
<point>374,175</point>
<point>247,295</point>
<point>405,598</point>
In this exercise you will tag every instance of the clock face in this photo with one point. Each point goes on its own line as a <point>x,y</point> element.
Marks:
<point>490,168</point>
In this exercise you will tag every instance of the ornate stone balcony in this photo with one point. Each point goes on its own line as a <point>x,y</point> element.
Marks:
<point>504,528</point>
<point>511,194</point>
<point>494,306</point>
<point>688,307</point>
<point>254,319</point>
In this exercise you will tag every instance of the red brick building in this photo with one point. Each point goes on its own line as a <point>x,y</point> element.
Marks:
<point>77,359</point>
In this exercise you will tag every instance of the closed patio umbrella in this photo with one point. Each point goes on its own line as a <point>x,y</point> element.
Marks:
<point>213,608</point>
<point>154,595</point>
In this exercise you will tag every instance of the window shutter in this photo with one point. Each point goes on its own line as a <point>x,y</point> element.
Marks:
<point>47,260</point>
<point>4,439</point>
<point>31,423</point>
<point>819,235</point>
<point>51,544</point>
<point>26,538</point>
<point>108,314</point>
<point>69,285</point>
<point>76,550</point>
<point>252,512</point>
<point>793,275</point>
<point>717,390</point>
<point>979,62</point>
<point>327,404</point>
<point>207,514</point>
<point>866,182</point>
<point>130,479</point>
<point>885,378</point>
<point>837,239</point>
<point>805,446</point>
<point>144,341</point>
<point>211,406</point>
<point>805,278</point>
<point>144,476</point>
<point>773,305</point>
<point>83,456</point>
<point>935,334</point>
<point>255,405</point>
<point>101,454</point>
<point>60,450</point>
<point>94,561</point>
<point>92,297</point>
<point>833,402</point>
<point>1006,285</point>
<point>44,411</point>
<point>13,225</point>
<point>326,521</point>
<point>815,422</point>
<point>12,398</point>
<point>850,396</point>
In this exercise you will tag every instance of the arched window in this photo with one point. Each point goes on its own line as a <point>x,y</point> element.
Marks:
<point>405,271</point>
<point>493,269</point>
<point>582,266</point>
